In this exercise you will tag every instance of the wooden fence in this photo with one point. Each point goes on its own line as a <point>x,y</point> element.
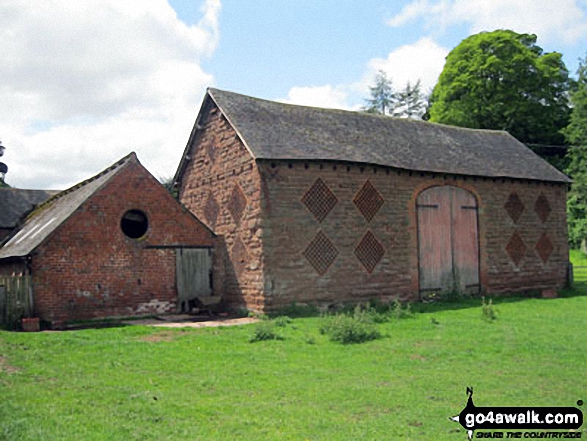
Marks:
<point>16,299</point>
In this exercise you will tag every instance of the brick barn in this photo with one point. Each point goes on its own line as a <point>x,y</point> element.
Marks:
<point>117,244</point>
<point>328,206</point>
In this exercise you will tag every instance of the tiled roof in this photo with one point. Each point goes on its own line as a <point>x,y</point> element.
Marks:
<point>47,216</point>
<point>277,131</point>
<point>15,202</point>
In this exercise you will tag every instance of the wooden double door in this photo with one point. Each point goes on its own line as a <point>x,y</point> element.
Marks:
<point>193,276</point>
<point>448,241</point>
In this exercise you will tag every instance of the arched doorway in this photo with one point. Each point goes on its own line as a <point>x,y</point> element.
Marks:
<point>448,241</point>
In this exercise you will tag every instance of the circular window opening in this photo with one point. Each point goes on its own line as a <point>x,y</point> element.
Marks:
<point>134,224</point>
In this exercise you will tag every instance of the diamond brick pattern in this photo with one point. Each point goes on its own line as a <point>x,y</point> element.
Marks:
<point>319,200</point>
<point>211,210</point>
<point>369,251</point>
<point>542,208</point>
<point>211,150</point>
<point>514,206</point>
<point>368,201</point>
<point>321,253</point>
<point>237,203</point>
<point>516,248</point>
<point>544,247</point>
<point>240,256</point>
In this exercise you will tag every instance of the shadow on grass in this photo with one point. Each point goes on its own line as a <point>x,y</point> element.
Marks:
<point>303,311</point>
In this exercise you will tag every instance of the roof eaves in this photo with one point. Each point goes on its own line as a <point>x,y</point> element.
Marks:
<point>50,203</point>
<point>119,164</point>
<point>185,157</point>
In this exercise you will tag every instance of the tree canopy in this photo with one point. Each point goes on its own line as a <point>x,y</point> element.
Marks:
<point>382,98</point>
<point>502,80</point>
<point>407,103</point>
<point>576,135</point>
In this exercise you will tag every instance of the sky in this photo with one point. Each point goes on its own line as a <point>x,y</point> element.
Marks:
<point>85,82</point>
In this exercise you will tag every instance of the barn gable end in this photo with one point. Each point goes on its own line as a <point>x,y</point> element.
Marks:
<point>336,212</point>
<point>219,182</point>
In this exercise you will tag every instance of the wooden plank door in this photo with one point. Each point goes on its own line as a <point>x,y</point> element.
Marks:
<point>448,243</point>
<point>194,275</point>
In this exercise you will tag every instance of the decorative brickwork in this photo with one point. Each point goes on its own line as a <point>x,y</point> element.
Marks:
<point>211,150</point>
<point>516,248</point>
<point>237,203</point>
<point>368,201</point>
<point>304,226</point>
<point>211,210</point>
<point>319,200</point>
<point>369,251</point>
<point>321,253</point>
<point>544,247</point>
<point>542,208</point>
<point>240,256</point>
<point>514,206</point>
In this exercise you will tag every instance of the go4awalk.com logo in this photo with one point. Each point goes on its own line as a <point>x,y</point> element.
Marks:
<point>543,422</point>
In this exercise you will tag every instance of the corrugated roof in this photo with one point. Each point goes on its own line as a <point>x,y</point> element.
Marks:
<point>49,215</point>
<point>273,130</point>
<point>16,202</point>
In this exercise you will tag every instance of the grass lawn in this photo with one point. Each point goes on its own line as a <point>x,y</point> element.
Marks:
<point>579,261</point>
<point>140,383</point>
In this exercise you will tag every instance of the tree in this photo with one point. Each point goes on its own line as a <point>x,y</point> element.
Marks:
<point>382,99</point>
<point>576,135</point>
<point>410,102</point>
<point>168,183</point>
<point>503,80</point>
<point>3,168</point>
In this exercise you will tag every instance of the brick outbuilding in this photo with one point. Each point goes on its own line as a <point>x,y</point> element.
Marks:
<point>329,206</point>
<point>117,244</point>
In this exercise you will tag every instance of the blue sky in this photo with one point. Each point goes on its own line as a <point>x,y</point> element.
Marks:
<point>85,83</point>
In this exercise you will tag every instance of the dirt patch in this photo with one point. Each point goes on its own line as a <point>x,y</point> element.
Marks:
<point>5,367</point>
<point>163,336</point>
<point>182,323</point>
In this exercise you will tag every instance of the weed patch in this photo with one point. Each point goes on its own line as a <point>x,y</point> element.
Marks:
<point>488,311</point>
<point>265,330</point>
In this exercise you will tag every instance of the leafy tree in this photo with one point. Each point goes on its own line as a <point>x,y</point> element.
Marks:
<point>503,80</point>
<point>410,103</point>
<point>167,182</point>
<point>576,135</point>
<point>382,99</point>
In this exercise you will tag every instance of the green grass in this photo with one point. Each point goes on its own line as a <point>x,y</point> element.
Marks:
<point>579,259</point>
<point>139,383</point>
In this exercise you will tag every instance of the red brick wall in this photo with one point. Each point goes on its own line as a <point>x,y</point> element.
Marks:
<point>221,186</point>
<point>290,228</point>
<point>89,268</point>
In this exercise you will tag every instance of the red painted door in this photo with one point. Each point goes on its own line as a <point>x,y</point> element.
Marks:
<point>448,240</point>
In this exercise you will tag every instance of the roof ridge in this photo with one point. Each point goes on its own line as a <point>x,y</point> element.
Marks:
<point>118,164</point>
<point>361,113</point>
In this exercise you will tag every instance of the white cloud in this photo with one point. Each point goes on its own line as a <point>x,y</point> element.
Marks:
<point>563,20</point>
<point>86,82</point>
<point>422,61</point>
<point>318,96</point>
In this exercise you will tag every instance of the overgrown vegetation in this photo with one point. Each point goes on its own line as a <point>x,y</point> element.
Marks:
<point>356,328</point>
<point>488,311</point>
<point>265,330</point>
